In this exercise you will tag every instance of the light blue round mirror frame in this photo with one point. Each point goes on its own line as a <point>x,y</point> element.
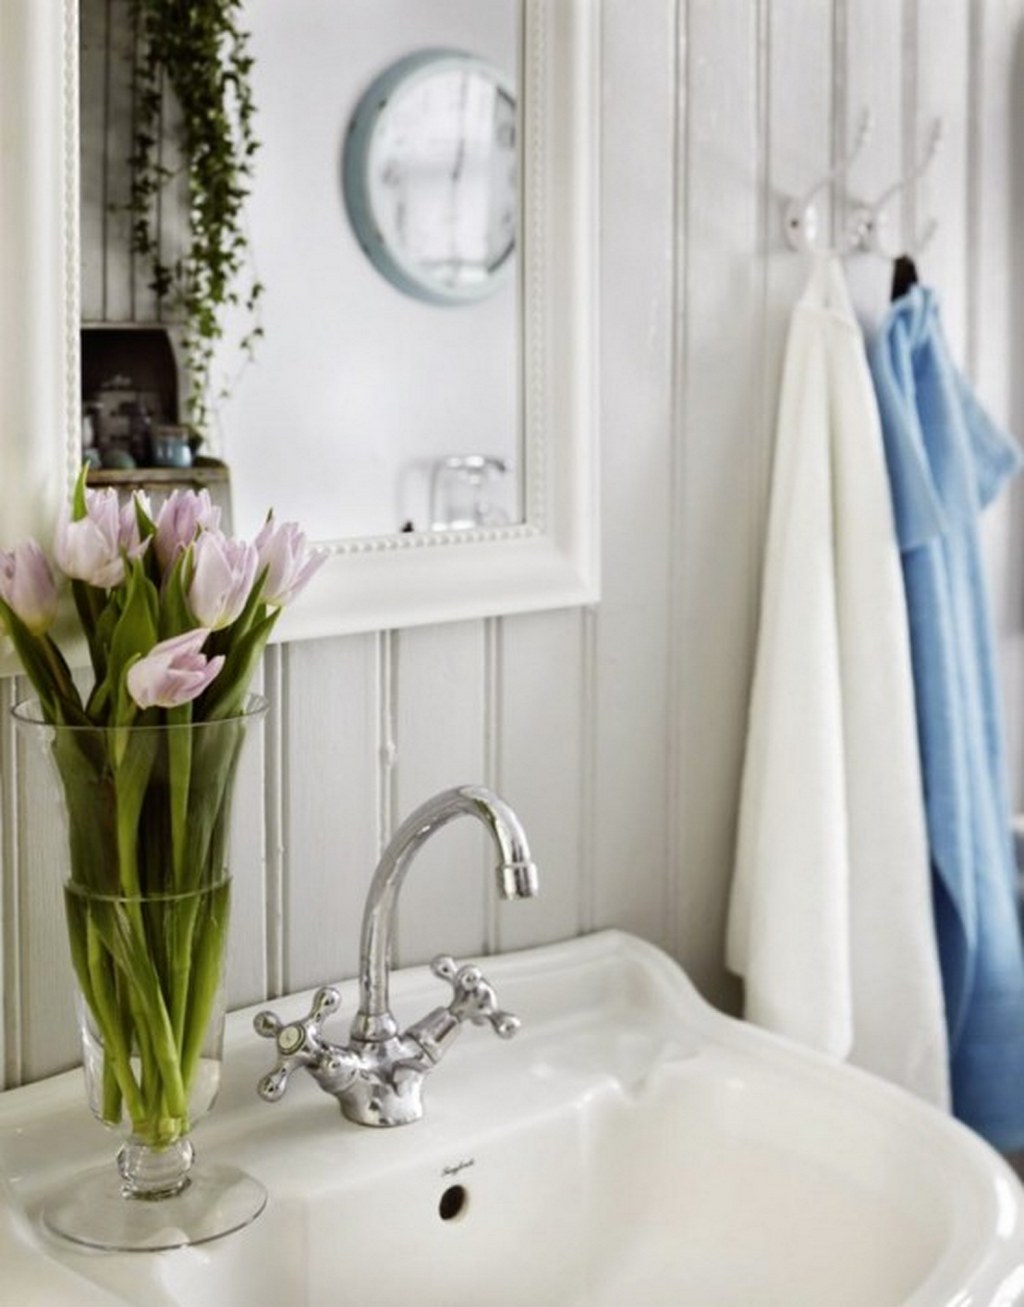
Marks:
<point>356,180</point>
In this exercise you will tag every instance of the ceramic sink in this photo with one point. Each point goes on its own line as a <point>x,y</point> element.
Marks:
<point>631,1146</point>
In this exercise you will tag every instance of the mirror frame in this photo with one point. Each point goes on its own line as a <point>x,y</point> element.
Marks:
<point>551,560</point>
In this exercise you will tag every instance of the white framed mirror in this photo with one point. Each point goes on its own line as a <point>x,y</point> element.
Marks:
<point>550,558</point>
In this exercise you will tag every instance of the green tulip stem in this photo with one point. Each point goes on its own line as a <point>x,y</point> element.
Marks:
<point>105,1009</point>
<point>206,978</point>
<point>183,913</point>
<point>154,1029</point>
<point>181,965</point>
<point>179,768</point>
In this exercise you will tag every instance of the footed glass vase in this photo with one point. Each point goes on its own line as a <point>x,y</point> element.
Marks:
<point>147,900</point>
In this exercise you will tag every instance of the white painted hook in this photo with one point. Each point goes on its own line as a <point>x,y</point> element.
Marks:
<point>801,214</point>
<point>867,226</point>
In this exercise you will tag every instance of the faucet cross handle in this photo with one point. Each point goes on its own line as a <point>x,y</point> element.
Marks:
<point>299,1043</point>
<point>473,998</point>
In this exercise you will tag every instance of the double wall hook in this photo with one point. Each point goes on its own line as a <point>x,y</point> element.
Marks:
<point>867,225</point>
<point>801,215</point>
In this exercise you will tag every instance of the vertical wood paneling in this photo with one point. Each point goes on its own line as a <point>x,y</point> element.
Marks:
<point>993,225</point>
<point>800,140</point>
<point>92,127</point>
<point>274,737</point>
<point>872,50</point>
<point>329,777</point>
<point>9,969</point>
<point>246,978</point>
<point>942,74</point>
<point>145,305</point>
<point>49,1033</point>
<point>172,214</point>
<point>541,766</point>
<point>1009,32</point>
<point>991,228</point>
<point>439,731</point>
<point>115,285</point>
<point>636,392</point>
<point>119,305</point>
<point>728,428</point>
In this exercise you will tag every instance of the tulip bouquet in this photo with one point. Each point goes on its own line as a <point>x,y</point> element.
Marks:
<point>175,616</point>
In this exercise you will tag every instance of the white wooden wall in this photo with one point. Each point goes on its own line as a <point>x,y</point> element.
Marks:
<point>616,732</point>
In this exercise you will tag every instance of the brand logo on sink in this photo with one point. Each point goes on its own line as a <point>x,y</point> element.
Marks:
<point>458,1166</point>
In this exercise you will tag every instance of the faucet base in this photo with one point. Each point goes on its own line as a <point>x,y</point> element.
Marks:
<point>368,1102</point>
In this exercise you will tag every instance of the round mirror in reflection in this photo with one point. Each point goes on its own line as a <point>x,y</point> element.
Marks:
<point>430,176</point>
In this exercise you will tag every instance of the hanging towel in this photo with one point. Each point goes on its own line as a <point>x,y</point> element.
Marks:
<point>830,916</point>
<point>947,460</point>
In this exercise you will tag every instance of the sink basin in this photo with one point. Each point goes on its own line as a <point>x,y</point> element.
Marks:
<point>631,1146</point>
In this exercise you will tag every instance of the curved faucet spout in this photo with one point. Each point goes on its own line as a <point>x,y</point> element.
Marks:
<point>517,878</point>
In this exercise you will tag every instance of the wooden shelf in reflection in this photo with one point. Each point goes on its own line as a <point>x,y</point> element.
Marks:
<point>158,482</point>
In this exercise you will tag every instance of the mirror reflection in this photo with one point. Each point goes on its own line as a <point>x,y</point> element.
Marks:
<point>369,408</point>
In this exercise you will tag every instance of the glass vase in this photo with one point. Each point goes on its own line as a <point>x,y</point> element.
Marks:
<point>147,899</point>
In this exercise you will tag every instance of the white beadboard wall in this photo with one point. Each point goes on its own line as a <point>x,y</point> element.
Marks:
<point>617,732</point>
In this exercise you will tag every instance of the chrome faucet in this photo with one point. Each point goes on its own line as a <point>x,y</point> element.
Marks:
<point>378,1075</point>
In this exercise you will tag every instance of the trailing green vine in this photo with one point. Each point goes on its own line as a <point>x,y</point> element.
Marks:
<point>201,50</point>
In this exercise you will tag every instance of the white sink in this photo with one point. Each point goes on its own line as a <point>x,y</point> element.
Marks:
<point>631,1147</point>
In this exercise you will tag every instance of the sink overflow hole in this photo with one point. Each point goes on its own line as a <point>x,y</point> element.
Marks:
<point>453,1202</point>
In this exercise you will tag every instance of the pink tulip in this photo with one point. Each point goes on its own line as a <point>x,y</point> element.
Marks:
<point>283,552</point>
<point>182,514</point>
<point>27,586</point>
<point>92,549</point>
<point>173,672</point>
<point>222,577</point>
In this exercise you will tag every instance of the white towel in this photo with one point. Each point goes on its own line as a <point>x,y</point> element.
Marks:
<point>830,920</point>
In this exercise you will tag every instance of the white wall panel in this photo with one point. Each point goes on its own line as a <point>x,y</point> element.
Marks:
<point>10,989</point>
<point>542,766</point>
<point>870,46</point>
<point>800,97</point>
<point>92,42</point>
<point>726,412</point>
<point>942,75</point>
<point>994,261</point>
<point>439,715</point>
<point>631,699</point>
<point>247,973</point>
<point>329,744</point>
<point>46,1014</point>
<point>119,275</point>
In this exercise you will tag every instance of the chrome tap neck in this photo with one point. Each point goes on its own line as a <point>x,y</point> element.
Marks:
<point>516,873</point>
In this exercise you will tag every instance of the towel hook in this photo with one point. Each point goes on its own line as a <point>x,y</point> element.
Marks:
<point>866,228</point>
<point>801,216</point>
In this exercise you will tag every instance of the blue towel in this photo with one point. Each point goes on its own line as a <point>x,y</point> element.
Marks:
<point>946,461</point>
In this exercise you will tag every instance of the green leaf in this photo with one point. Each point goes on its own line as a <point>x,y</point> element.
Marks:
<point>44,666</point>
<point>91,604</point>
<point>78,508</point>
<point>175,615</point>
<point>135,633</point>
<point>88,783</point>
<point>225,695</point>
